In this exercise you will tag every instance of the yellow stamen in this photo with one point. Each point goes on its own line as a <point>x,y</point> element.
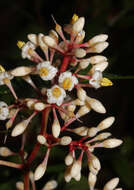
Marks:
<point>20,44</point>
<point>2,69</point>
<point>106,82</point>
<point>67,83</point>
<point>6,80</point>
<point>74,18</point>
<point>56,92</point>
<point>44,72</point>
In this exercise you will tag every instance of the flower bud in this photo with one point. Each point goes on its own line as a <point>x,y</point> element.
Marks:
<point>33,38</point>
<point>110,185</point>
<point>71,108</point>
<point>78,177</point>
<point>99,67</point>
<point>79,38</point>
<point>30,103</point>
<point>78,102</point>
<point>54,35</point>
<point>4,151</point>
<point>92,131</point>
<point>98,48</point>
<point>69,159</point>
<point>83,111</point>
<point>79,52</point>
<point>41,43</point>
<point>91,180</point>
<point>81,94</point>
<point>94,164</point>
<point>49,41</point>
<point>84,64</point>
<point>82,131</point>
<point>102,136</point>
<point>39,106</point>
<point>56,128</point>
<point>112,143</point>
<point>39,172</point>
<point>98,39</point>
<point>21,71</point>
<point>41,139</point>
<point>52,184</point>
<point>78,25</point>
<point>19,128</point>
<point>76,168</point>
<point>96,105</point>
<point>66,140</point>
<point>67,175</point>
<point>106,123</point>
<point>20,185</point>
<point>97,59</point>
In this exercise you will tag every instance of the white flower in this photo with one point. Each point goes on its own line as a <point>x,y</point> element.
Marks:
<point>96,79</point>
<point>67,80</point>
<point>4,111</point>
<point>27,50</point>
<point>56,95</point>
<point>46,70</point>
<point>5,76</point>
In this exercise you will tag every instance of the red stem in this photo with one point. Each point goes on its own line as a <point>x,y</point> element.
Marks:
<point>26,181</point>
<point>65,64</point>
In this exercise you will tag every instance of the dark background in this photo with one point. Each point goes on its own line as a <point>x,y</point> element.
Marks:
<point>114,17</point>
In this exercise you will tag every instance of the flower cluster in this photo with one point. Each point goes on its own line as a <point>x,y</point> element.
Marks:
<point>65,62</point>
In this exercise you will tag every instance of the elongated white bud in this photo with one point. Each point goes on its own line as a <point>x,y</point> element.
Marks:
<point>78,102</point>
<point>97,39</point>
<point>56,128</point>
<point>69,159</point>
<point>33,38</point>
<point>91,180</point>
<point>41,139</point>
<point>81,94</point>
<point>98,48</point>
<point>99,67</point>
<point>92,131</point>
<point>39,106</point>
<point>82,131</point>
<point>79,52</point>
<point>52,184</point>
<point>106,123</point>
<point>20,185</point>
<point>110,185</point>
<point>4,151</point>
<point>97,59</point>
<point>83,111</point>
<point>67,175</point>
<point>21,71</point>
<point>96,105</point>
<point>76,168</point>
<point>112,143</point>
<point>84,64</point>
<point>49,41</point>
<point>66,140</point>
<point>39,172</point>
<point>78,25</point>
<point>71,108</point>
<point>41,43</point>
<point>80,37</point>
<point>19,128</point>
<point>54,35</point>
<point>94,164</point>
<point>102,136</point>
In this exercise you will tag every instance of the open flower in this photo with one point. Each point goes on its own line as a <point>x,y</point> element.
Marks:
<point>56,95</point>
<point>5,77</point>
<point>96,79</point>
<point>46,70</point>
<point>67,80</point>
<point>27,50</point>
<point>4,111</point>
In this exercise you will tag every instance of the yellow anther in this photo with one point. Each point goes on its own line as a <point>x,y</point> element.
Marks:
<point>20,44</point>
<point>106,82</point>
<point>56,92</point>
<point>74,18</point>
<point>2,69</point>
<point>67,83</point>
<point>44,71</point>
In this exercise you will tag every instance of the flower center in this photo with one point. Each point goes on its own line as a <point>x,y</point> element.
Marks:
<point>67,83</point>
<point>56,92</point>
<point>44,71</point>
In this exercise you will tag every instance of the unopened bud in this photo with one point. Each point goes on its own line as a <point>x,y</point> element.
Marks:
<point>71,108</point>
<point>4,151</point>
<point>84,64</point>
<point>94,164</point>
<point>99,67</point>
<point>69,159</point>
<point>49,41</point>
<point>80,37</point>
<point>98,48</point>
<point>82,131</point>
<point>41,43</point>
<point>79,52</point>
<point>76,168</point>
<point>66,140</point>
<point>91,180</point>
<point>106,123</point>
<point>102,136</point>
<point>78,177</point>
<point>110,185</point>
<point>112,143</point>
<point>52,184</point>
<point>21,71</point>
<point>39,106</point>
<point>54,35</point>
<point>20,185</point>
<point>39,172</point>
<point>67,175</point>
<point>96,105</point>
<point>97,59</point>
<point>19,128</point>
<point>98,39</point>
<point>30,104</point>
<point>78,25</point>
<point>92,131</point>
<point>83,111</point>
<point>33,38</point>
<point>56,128</point>
<point>81,94</point>
<point>41,139</point>
<point>78,102</point>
